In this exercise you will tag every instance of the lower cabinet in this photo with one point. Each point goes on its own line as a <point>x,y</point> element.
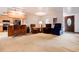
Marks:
<point>17,30</point>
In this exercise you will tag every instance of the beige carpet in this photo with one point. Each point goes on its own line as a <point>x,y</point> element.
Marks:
<point>41,42</point>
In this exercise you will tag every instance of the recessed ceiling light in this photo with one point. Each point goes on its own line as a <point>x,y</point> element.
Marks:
<point>40,13</point>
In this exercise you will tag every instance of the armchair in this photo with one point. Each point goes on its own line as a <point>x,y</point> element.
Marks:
<point>47,29</point>
<point>57,30</point>
<point>34,29</point>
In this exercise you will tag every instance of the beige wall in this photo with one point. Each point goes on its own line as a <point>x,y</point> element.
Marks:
<point>69,11</point>
<point>33,19</point>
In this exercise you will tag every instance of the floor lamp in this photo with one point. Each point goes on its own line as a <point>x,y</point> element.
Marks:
<point>40,22</point>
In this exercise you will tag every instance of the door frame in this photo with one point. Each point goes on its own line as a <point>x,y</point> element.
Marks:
<point>65,18</point>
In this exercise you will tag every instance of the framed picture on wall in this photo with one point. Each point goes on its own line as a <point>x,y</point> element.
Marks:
<point>54,21</point>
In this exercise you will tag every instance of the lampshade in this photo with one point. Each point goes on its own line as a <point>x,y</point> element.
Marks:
<point>40,22</point>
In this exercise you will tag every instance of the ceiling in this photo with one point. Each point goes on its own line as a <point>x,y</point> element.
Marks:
<point>71,10</point>
<point>32,10</point>
<point>47,10</point>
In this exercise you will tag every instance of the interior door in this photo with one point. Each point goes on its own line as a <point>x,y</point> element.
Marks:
<point>69,23</point>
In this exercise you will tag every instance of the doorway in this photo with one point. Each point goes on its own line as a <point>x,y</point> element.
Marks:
<point>69,23</point>
<point>17,22</point>
<point>6,23</point>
